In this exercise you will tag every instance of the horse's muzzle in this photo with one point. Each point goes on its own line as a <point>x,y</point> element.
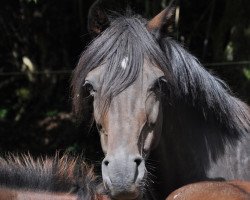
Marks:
<point>123,175</point>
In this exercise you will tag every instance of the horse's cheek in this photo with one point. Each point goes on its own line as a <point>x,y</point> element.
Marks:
<point>148,141</point>
<point>158,125</point>
<point>104,142</point>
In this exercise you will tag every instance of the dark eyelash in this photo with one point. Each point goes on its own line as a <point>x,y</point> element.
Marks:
<point>157,84</point>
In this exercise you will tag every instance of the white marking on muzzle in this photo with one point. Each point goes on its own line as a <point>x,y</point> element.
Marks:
<point>124,63</point>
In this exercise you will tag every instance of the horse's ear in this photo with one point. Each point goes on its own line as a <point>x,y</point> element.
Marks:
<point>161,23</point>
<point>97,20</point>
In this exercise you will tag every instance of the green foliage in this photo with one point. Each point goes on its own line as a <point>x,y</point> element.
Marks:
<point>246,72</point>
<point>23,93</point>
<point>3,113</point>
<point>229,51</point>
<point>75,148</point>
<point>51,113</point>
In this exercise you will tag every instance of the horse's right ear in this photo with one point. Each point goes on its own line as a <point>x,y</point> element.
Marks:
<point>160,24</point>
<point>97,20</point>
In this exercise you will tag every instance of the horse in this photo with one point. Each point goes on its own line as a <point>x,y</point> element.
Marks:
<point>58,178</point>
<point>164,120</point>
<point>212,190</point>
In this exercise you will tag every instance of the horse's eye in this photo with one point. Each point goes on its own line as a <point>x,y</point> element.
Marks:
<point>89,87</point>
<point>159,85</point>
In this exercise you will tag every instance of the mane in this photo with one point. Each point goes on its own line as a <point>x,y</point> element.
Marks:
<point>59,174</point>
<point>189,84</point>
<point>209,95</point>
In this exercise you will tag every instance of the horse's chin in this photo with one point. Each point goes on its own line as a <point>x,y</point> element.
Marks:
<point>126,197</point>
<point>135,195</point>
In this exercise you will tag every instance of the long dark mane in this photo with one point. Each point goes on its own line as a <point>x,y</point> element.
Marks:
<point>199,88</point>
<point>204,121</point>
<point>188,82</point>
<point>64,174</point>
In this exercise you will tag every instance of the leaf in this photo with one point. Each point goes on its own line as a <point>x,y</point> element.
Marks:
<point>3,113</point>
<point>23,93</point>
<point>51,113</point>
<point>246,72</point>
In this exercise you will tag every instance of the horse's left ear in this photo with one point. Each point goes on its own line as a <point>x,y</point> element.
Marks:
<point>97,19</point>
<point>161,23</point>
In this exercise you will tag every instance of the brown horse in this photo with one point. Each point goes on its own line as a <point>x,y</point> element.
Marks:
<point>211,190</point>
<point>58,178</point>
<point>153,101</point>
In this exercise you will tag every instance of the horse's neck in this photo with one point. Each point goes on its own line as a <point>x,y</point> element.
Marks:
<point>191,150</point>
<point>176,163</point>
<point>164,170</point>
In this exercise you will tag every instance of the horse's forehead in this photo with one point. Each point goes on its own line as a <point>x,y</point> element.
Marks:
<point>96,73</point>
<point>137,92</point>
<point>149,73</point>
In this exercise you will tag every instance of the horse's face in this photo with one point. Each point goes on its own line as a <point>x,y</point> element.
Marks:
<point>128,130</point>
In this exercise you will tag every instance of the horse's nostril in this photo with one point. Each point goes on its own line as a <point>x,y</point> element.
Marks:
<point>138,161</point>
<point>106,162</point>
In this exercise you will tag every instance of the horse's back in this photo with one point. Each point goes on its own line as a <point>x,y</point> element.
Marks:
<point>245,186</point>
<point>232,190</point>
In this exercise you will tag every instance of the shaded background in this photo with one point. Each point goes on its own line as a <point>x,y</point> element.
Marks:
<point>40,43</point>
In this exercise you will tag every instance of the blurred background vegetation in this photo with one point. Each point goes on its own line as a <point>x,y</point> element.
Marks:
<point>40,43</point>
